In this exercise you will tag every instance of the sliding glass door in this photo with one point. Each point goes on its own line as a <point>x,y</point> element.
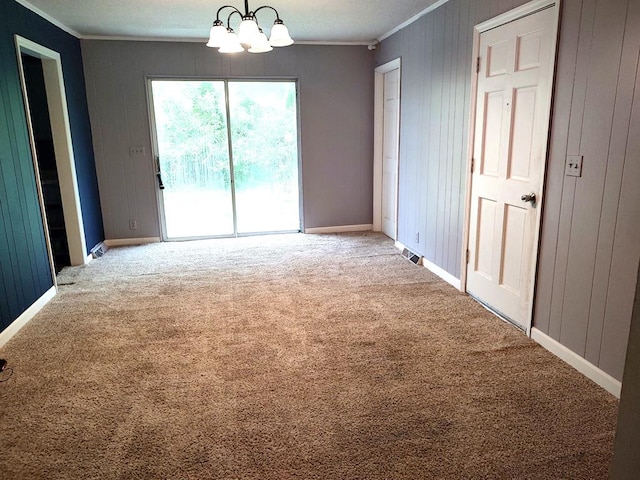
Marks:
<point>227,157</point>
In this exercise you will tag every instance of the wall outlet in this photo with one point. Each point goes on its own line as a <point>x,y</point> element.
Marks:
<point>133,224</point>
<point>417,237</point>
<point>573,167</point>
<point>136,150</point>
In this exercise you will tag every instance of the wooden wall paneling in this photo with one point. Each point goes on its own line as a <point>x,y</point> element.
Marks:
<point>423,60</point>
<point>129,133</point>
<point>453,162</point>
<point>410,158</point>
<point>613,184</point>
<point>16,181</point>
<point>26,261</point>
<point>8,260</point>
<point>467,53</point>
<point>141,180</point>
<point>443,156</point>
<point>423,51</point>
<point>547,282</point>
<point>569,188</point>
<point>626,250</point>
<point>405,218</point>
<point>435,128</point>
<point>206,61</point>
<point>606,50</point>
<point>34,255</point>
<point>461,77</point>
<point>110,157</point>
<point>105,193</point>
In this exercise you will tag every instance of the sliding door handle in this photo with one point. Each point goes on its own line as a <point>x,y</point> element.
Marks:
<point>158,174</point>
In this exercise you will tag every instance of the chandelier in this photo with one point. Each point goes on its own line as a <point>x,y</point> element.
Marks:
<point>250,35</point>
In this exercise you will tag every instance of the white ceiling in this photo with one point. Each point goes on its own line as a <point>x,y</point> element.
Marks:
<point>325,21</point>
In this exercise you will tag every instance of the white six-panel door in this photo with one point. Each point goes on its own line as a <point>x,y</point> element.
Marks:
<point>390,147</point>
<point>512,119</point>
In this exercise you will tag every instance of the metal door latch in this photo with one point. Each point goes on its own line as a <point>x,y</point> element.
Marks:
<point>531,198</point>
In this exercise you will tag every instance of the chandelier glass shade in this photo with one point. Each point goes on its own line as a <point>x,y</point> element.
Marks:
<point>250,36</point>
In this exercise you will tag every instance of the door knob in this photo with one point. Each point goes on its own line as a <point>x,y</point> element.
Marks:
<point>531,197</point>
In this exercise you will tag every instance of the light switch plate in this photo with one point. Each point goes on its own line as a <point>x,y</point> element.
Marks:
<point>573,167</point>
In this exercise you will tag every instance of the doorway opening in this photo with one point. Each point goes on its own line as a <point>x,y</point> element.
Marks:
<point>226,156</point>
<point>46,160</point>
<point>52,149</point>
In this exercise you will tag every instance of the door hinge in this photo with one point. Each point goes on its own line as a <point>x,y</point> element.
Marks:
<point>473,163</point>
<point>467,255</point>
<point>478,65</point>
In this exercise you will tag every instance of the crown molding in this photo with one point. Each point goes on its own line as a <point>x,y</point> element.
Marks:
<point>48,18</point>
<point>416,17</point>
<point>126,38</point>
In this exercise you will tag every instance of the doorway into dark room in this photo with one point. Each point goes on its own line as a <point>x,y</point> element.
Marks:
<point>46,159</point>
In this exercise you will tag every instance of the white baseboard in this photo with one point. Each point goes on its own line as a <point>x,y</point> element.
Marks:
<point>127,242</point>
<point>340,229</point>
<point>589,370</point>
<point>442,273</point>
<point>27,315</point>
<point>433,268</point>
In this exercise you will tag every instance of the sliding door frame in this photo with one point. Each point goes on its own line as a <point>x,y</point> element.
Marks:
<point>155,150</point>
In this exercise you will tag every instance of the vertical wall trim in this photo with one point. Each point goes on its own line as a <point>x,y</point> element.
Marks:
<point>510,16</point>
<point>378,135</point>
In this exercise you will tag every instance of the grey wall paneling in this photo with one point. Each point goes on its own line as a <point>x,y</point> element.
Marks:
<point>593,141</point>
<point>626,248</point>
<point>336,116</point>
<point>614,203</point>
<point>555,212</point>
<point>587,260</point>
<point>588,243</point>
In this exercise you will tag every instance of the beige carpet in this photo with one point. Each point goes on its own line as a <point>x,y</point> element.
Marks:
<point>294,356</point>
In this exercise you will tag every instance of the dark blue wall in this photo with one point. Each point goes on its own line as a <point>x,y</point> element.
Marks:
<point>24,264</point>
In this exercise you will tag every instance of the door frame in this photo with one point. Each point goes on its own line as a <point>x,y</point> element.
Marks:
<point>517,13</point>
<point>155,154</point>
<point>378,130</point>
<point>63,148</point>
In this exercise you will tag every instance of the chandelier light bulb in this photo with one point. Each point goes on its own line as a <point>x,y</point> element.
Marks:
<point>217,34</point>
<point>231,44</point>
<point>280,35</point>
<point>248,30</point>
<point>260,44</point>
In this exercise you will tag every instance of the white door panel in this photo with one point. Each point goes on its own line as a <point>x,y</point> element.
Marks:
<point>512,119</point>
<point>390,147</point>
